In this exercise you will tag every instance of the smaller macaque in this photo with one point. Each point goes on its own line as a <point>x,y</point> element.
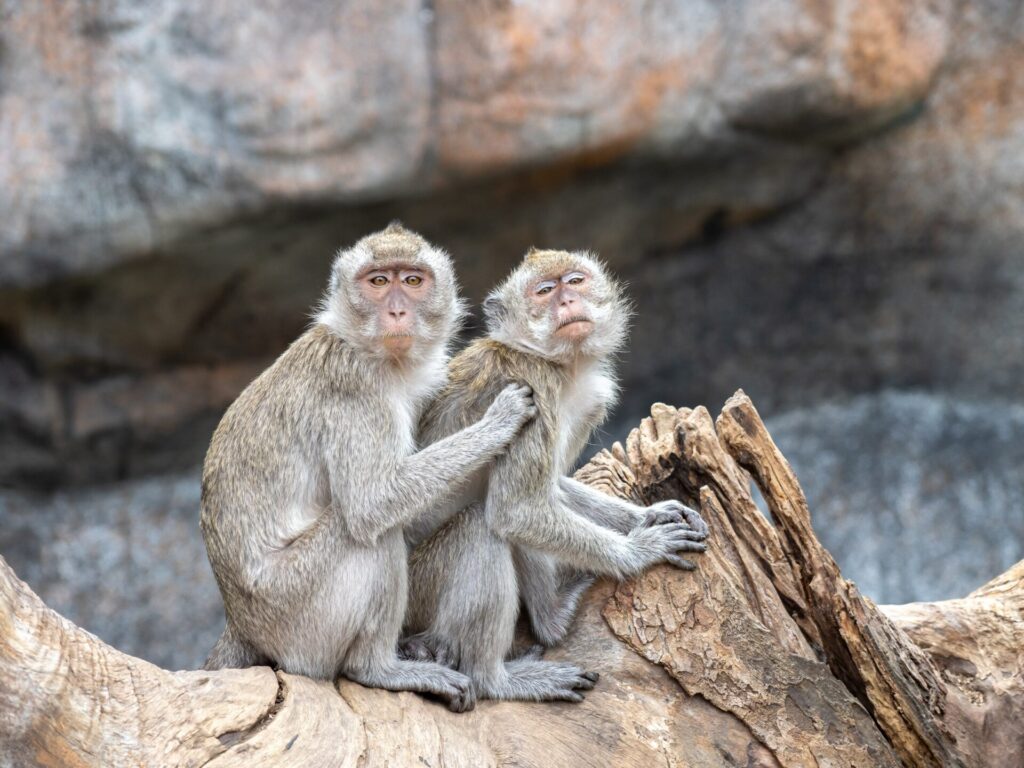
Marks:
<point>554,325</point>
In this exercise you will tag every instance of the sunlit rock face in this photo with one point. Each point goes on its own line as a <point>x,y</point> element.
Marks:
<point>814,201</point>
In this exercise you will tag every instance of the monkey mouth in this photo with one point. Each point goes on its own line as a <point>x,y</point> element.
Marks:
<point>397,344</point>
<point>571,320</point>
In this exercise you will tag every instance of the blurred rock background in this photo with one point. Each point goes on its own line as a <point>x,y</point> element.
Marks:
<point>820,201</point>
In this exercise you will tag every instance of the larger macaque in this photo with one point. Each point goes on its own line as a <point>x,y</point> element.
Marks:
<point>312,474</point>
<point>554,324</point>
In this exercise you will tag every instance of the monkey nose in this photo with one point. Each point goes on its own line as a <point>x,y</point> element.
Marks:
<point>397,313</point>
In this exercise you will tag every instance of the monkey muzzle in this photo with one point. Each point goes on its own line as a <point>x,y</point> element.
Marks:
<point>574,319</point>
<point>397,343</point>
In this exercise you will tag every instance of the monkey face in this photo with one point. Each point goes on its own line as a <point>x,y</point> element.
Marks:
<point>559,304</point>
<point>393,295</point>
<point>566,298</point>
<point>396,292</point>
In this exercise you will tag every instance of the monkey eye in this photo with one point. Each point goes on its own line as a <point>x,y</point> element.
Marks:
<point>546,287</point>
<point>378,280</point>
<point>413,280</point>
<point>575,278</point>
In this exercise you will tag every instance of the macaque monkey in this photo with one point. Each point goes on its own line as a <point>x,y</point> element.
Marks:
<point>313,473</point>
<point>554,324</point>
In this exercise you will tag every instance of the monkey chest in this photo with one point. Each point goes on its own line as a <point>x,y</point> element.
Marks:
<point>582,407</point>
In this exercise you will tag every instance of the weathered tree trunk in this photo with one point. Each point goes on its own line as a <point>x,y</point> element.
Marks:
<point>764,656</point>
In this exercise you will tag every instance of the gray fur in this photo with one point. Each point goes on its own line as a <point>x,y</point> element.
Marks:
<point>312,475</point>
<point>541,534</point>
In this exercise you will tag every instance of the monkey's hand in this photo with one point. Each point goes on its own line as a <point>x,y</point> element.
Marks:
<point>511,409</point>
<point>663,543</point>
<point>425,646</point>
<point>672,511</point>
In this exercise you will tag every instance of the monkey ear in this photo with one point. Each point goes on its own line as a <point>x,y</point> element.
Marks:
<point>494,310</point>
<point>334,282</point>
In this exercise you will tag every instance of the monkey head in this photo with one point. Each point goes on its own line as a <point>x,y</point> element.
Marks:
<point>560,305</point>
<point>393,295</point>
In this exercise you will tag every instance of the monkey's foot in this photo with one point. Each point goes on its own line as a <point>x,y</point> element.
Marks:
<point>456,690</point>
<point>534,680</point>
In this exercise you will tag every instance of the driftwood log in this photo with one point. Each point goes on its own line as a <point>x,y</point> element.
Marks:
<point>765,656</point>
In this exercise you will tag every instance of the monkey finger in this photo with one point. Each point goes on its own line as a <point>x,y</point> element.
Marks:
<point>567,694</point>
<point>661,517</point>
<point>414,649</point>
<point>694,535</point>
<point>689,546</point>
<point>674,531</point>
<point>695,521</point>
<point>583,683</point>
<point>592,676</point>
<point>446,657</point>
<point>521,390</point>
<point>462,700</point>
<point>669,505</point>
<point>681,562</point>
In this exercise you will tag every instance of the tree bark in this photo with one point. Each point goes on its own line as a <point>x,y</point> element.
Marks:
<point>763,656</point>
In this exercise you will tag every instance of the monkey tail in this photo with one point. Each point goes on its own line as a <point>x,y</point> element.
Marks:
<point>230,653</point>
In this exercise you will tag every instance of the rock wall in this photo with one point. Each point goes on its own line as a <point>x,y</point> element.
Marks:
<point>812,199</point>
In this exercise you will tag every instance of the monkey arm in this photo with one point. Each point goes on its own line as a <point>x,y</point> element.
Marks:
<point>525,506</point>
<point>421,528</point>
<point>608,511</point>
<point>378,496</point>
<point>622,516</point>
<point>543,523</point>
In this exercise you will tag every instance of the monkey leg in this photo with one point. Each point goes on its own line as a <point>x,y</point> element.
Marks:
<point>370,658</point>
<point>550,597</point>
<point>231,653</point>
<point>477,616</point>
<point>394,674</point>
<point>527,678</point>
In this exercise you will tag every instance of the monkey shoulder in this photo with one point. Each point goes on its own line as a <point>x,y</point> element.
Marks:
<point>488,366</point>
<point>312,363</point>
<point>281,408</point>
